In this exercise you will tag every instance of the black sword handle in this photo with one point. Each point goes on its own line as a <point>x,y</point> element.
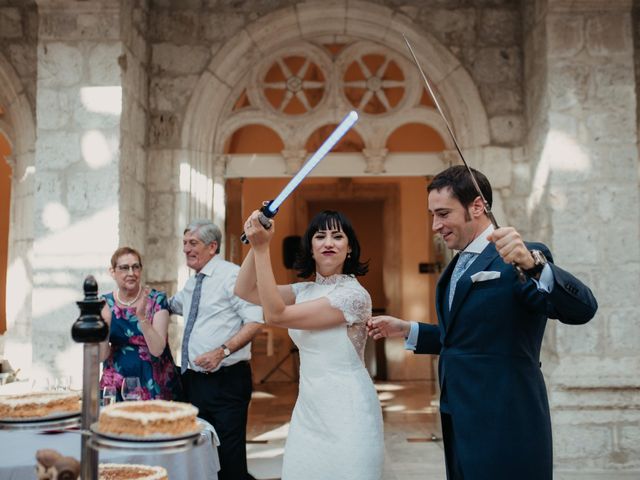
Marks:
<point>264,217</point>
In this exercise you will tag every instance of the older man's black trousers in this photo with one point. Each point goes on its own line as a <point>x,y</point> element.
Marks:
<point>223,400</point>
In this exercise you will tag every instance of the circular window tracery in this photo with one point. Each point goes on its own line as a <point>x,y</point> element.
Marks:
<point>293,85</point>
<point>374,83</point>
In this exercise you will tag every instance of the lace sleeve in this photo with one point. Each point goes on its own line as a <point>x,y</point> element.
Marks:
<point>353,300</point>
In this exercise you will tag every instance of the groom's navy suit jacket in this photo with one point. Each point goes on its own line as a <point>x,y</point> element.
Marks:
<point>489,369</point>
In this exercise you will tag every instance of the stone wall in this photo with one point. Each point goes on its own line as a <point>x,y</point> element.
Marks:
<point>79,105</point>
<point>582,146</point>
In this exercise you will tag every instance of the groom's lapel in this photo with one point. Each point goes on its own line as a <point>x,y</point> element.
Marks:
<point>464,284</point>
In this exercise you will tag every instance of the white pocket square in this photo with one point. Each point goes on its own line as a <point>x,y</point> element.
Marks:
<point>484,276</point>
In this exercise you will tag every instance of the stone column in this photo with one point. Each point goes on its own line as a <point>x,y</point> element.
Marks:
<point>581,96</point>
<point>77,200</point>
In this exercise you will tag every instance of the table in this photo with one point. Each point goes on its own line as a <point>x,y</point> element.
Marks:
<point>18,455</point>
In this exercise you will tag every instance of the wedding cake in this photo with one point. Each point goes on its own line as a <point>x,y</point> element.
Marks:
<point>148,419</point>
<point>115,471</point>
<point>38,405</point>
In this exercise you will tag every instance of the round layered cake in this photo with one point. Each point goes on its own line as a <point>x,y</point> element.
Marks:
<point>152,418</point>
<point>116,471</point>
<point>38,405</point>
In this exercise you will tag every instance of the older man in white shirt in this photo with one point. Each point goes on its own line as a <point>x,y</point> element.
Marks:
<point>216,345</point>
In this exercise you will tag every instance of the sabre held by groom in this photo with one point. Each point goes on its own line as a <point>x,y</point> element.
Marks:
<point>494,408</point>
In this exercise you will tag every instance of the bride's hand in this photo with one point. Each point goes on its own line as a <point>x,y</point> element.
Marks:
<point>258,236</point>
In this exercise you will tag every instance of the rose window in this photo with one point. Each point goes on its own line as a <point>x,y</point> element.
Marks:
<point>374,83</point>
<point>293,85</point>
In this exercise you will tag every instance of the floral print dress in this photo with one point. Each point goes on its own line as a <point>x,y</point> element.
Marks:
<point>130,356</point>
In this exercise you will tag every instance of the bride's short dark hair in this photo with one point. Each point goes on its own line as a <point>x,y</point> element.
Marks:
<point>325,220</point>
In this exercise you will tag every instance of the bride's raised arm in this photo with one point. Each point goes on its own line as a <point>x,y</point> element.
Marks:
<point>247,281</point>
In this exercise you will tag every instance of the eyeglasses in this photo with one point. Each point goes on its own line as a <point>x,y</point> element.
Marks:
<point>136,267</point>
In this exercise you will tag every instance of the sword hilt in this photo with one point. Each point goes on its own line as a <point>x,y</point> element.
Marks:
<point>264,217</point>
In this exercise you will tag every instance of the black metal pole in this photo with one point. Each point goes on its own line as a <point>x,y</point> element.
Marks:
<point>90,329</point>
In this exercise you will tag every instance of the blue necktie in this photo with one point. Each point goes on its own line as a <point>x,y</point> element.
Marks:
<point>464,260</point>
<point>191,320</point>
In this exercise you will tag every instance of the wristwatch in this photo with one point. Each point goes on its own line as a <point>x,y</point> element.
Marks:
<point>539,261</point>
<point>225,350</point>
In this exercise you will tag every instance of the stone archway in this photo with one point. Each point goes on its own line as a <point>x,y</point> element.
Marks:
<point>18,125</point>
<point>205,115</point>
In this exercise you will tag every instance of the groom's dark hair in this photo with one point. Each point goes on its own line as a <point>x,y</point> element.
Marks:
<point>328,220</point>
<point>457,178</point>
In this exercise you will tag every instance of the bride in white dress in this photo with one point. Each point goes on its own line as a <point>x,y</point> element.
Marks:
<point>336,427</point>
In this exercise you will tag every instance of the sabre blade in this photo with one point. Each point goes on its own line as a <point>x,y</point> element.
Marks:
<point>487,208</point>
<point>327,145</point>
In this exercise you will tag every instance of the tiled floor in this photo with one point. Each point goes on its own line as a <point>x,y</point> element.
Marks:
<point>413,449</point>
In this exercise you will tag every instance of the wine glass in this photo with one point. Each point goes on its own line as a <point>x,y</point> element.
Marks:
<point>109,395</point>
<point>131,389</point>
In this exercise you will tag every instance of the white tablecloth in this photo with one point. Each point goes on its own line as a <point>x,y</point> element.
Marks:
<point>18,455</point>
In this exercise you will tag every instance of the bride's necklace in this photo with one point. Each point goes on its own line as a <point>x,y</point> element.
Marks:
<point>130,302</point>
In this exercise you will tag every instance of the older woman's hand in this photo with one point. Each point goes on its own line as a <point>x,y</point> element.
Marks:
<point>144,307</point>
<point>258,236</point>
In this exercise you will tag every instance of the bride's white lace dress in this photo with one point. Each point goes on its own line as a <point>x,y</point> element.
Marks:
<point>336,427</point>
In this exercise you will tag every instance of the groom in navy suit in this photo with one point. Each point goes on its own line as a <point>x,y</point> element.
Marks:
<point>494,408</point>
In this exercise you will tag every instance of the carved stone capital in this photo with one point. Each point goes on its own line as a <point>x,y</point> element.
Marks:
<point>375,158</point>
<point>220,165</point>
<point>293,160</point>
<point>449,157</point>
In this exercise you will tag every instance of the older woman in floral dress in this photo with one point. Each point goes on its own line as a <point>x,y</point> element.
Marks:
<point>138,320</point>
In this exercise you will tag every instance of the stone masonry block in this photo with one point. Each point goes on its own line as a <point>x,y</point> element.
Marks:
<point>220,27</point>
<point>57,24</point>
<point>565,35</point>
<point>182,26</point>
<point>614,84</point>
<point>162,172</point>
<point>581,441</point>
<point>493,65</point>
<point>616,205</point>
<point>160,215</point>
<point>98,26</point>
<point>498,26</point>
<point>55,108</point>
<point>582,339</point>
<point>24,59</point>
<point>611,127</point>
<point>496,165</point>
<point>501,99</point>
<point>178,59</point>
<point>569,232</point>
<point>315,18</point>
<point>450,26</point>
<point>103,64</point>
<point>568,85</point>
<point>617,163</point>
<point>10,23</point>
<point>172,93</point>
<point>616,284</point>
<point>623,332</point>
<point>507,129</point>
<point>59,65</point>
<point>91,190</point>
<point>609,35</point>
<point>630,439</point>
<point>57,150</point>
